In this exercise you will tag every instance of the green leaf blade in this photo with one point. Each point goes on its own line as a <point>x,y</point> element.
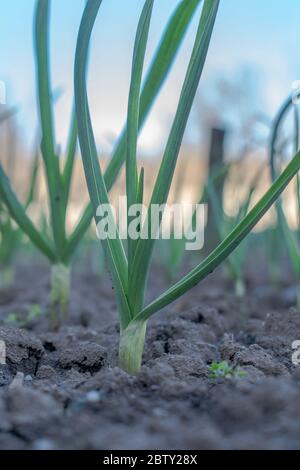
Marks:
<point>133,114</point>
<point>156,76</point>
<point>113,248</point>
<point>226,247</point>
<point>144,249</point>
<point>18,213</point>
<point>51,161</point>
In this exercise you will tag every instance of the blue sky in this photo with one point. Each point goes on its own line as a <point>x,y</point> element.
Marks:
<point>260,37</point>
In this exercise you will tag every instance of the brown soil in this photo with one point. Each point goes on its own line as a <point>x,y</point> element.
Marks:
<point>74,396</point>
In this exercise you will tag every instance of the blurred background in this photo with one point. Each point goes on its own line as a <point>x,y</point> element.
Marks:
<point>248,73</point>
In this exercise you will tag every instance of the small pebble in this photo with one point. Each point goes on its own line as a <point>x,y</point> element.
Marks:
<point>159,412</point>
<point>154,388</point>
<point>296,373</point>
<point>45,372</point>
<point>43,444</point>
<point>93,396</point>
<point>17,381</point>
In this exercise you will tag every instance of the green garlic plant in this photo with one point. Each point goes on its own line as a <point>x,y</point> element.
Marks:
<point>58,179</point>
<point>59,246</point>
<point>129,271</point>
<point>10,235</point>
<point>291,238</point>
<point>236,262</point>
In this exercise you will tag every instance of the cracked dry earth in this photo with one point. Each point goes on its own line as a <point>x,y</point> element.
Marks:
<point>64,390</point>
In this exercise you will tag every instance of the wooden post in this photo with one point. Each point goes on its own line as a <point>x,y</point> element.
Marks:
<point>215,163</point>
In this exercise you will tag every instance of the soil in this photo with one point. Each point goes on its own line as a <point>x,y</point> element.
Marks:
<point>64,390</point>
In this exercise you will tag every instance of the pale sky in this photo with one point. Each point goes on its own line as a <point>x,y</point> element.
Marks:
<point>259,36</point>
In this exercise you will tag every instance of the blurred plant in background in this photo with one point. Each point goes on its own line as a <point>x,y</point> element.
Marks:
<point>283,143</point>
